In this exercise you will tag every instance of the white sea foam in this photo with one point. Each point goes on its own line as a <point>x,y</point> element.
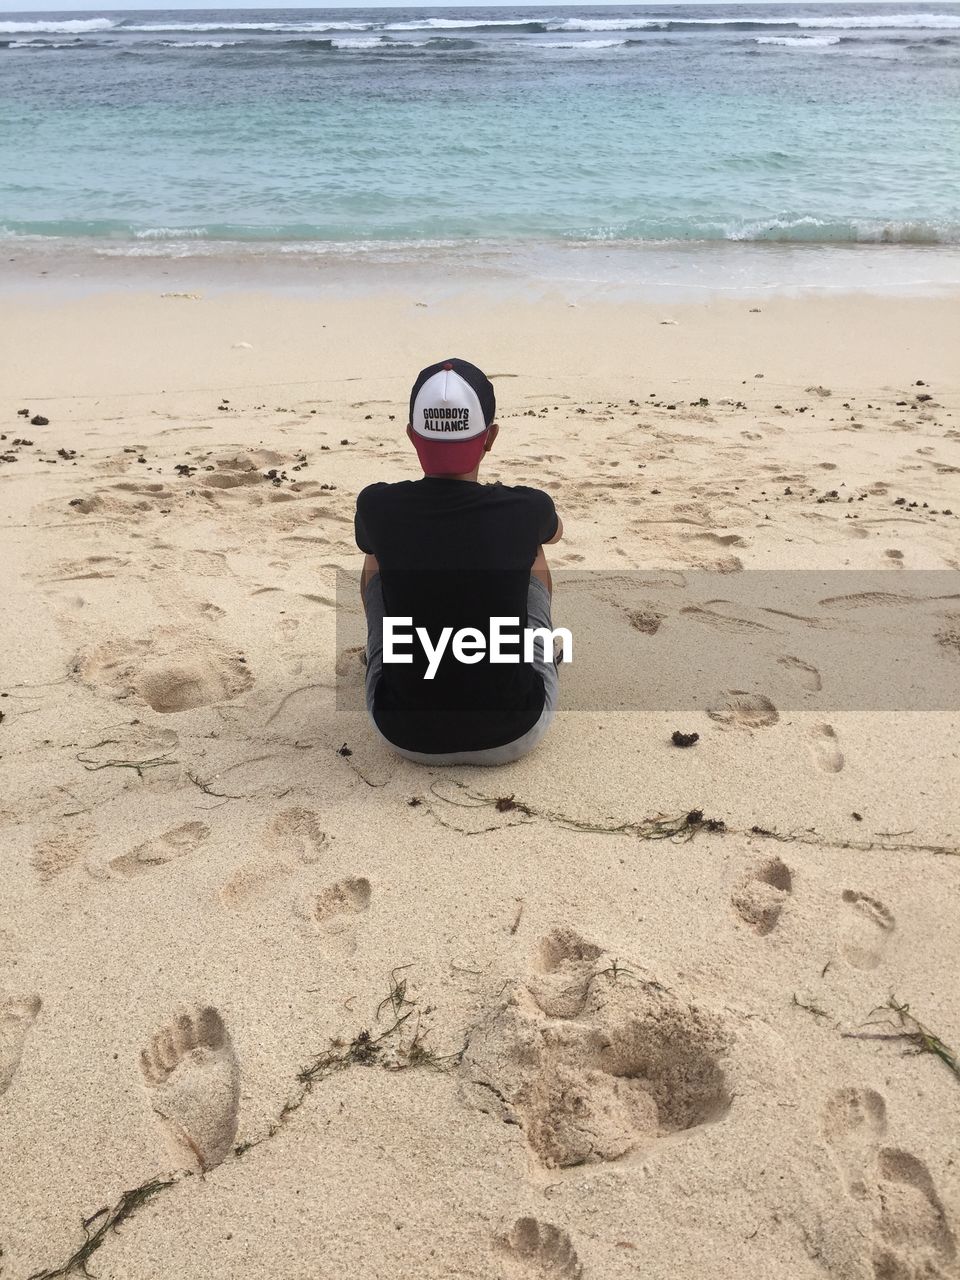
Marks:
<point>799,42</point>
<point>610,24</point>
<point>574,44</point>
<point>826,231</point>
<point>359,42</point>
<point>199,44</point>
<point>859,22</point>
<point>171,233</point>
<point>44,44</point>
<point>905,21</point>
<point>445,24</point>
<point>269,28</point>
<point>72,27</point>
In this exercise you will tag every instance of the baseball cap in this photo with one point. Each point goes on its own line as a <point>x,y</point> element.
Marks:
<point>452,405</point>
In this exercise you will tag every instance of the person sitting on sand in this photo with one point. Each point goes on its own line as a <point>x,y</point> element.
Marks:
<point>449,559</point>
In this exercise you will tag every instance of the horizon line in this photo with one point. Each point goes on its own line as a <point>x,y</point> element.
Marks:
<point>468,4</point>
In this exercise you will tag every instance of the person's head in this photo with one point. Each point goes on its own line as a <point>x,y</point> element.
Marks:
<point>452,411</point>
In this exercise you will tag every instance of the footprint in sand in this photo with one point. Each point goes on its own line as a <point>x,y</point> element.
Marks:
<point>178,680</point>
<point>865,930</point>
<point>807,677</point>
<point>210,612</point>
<point>351,664</point>
<point>744,710</point>
<point>564,969</point>
<point>646,621</point>
<point>91,568</point>
<point>722,539</point>
<point>761,895</point>
<point>202,564</point>
<point>867,600</point>
<point>627,1065</point>
<point>533,1250</point>
<point>913,1237</point>
<point>853,1123</point>
<point>17,1016</point>
<point>251,879</point>
<point>826,748</point>
<point>295,837</point>
<point>297,833</point>
<point>286,628</point>
<point>949,638</point>
<point>723,621</point>
<point>192,1075</point>
<point>331,913</point>
<point>172,844</point>
<point>55,854</point>
<point>182,682</point>
<point>132,742</point>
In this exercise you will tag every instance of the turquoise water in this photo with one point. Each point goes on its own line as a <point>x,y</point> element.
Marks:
<point>348,129</point>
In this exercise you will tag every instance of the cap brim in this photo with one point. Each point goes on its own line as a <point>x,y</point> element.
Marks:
<point>449,457</point>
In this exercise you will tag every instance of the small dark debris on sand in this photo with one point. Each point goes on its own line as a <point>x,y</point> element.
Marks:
<point>344,751</point>
<point>507,804</point>
<point>684,739</point>
<point>695,818</point>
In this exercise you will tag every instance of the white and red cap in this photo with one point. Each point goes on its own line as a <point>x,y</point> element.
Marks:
<point>452,406</point>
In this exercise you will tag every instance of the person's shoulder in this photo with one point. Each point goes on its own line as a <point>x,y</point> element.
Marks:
<point>532,499</point>
<point>522,492</point>
<point>535,511</point>
<point>380,490</point>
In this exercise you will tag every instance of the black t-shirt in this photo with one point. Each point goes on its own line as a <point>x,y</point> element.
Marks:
<point>455,553</point>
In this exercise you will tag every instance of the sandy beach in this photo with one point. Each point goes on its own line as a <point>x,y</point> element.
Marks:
<point>283,1005</point>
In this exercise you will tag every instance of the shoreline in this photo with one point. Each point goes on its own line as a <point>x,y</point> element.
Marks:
<point>617,270</point>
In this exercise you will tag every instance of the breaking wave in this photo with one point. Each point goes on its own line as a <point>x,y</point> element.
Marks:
<point>801,229</point>
<point>77,26</point>
<point>800,42</point>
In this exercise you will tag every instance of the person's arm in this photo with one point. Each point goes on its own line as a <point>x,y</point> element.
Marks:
<point>365,543</point>
<point>552,525</point>
<point>370,567</point>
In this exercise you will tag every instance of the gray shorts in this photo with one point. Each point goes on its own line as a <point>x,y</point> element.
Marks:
<point>538,615</point>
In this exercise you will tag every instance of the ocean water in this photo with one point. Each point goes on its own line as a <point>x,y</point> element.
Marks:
<point>346,131</point>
